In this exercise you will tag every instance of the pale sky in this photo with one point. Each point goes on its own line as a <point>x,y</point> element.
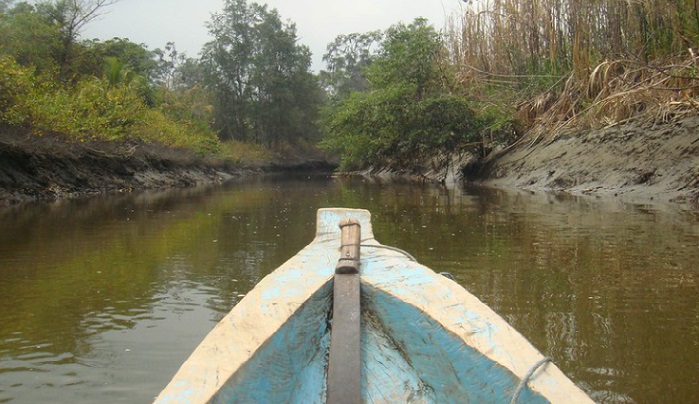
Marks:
<point>318,22</point>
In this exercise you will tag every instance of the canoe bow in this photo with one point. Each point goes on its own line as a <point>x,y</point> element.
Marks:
<point>424,338</point>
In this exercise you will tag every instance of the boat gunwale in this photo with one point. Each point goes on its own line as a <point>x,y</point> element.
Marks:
<point>292,283</point>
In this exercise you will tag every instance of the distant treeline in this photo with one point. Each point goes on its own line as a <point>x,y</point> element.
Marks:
<point>251,83</point>
<point>116,90</point>
<point>409,94</point>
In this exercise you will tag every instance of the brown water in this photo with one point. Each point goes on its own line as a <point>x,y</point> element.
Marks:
<point>102,299</point>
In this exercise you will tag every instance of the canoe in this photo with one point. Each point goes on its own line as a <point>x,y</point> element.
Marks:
<point>348,319</point>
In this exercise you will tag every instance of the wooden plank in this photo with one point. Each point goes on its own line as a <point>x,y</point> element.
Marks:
<point>350,239</point>
<point>263,312</point>
<point>344,368</point>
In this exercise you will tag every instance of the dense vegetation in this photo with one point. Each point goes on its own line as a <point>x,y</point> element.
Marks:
<point>529,67</point>
<point>259,76</point>
<point>406,110</point>
<point>397,98</point>
<point>555,63</point>
<point>252,82</point>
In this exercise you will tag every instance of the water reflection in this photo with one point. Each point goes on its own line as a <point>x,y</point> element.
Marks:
<point>103,298</point>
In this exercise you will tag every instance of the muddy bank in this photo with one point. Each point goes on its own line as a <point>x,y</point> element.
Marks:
<point>49,167</point>
<point>633,161</point>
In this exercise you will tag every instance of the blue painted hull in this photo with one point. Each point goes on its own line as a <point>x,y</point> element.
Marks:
<point>423,338</point>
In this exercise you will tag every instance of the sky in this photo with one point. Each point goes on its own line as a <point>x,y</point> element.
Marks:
<point>157,22</point>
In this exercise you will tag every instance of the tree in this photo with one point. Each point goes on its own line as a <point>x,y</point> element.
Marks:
<point>45,35</point>
<point>346,58</point>
<point>408,115</point>
<point>258,74</point>
<point>136,57</point>
<point>70,17</point>
<point>189,73</point>
<point>169,60</point>
<point>5,5</point>
<point>27,36</point>
<point>410,54</point>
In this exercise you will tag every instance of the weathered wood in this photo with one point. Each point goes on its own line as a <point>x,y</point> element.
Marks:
<point>423,339</point>
<point>349,250</point>
<point>344,367</point>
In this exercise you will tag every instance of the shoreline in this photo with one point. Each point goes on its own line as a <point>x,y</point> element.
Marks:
<point>636,162</point>
<point>49,167</point>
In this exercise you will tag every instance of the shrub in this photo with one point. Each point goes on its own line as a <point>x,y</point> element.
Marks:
<point>16,87</point>
<point>157,127</point>
<point>90,110</point>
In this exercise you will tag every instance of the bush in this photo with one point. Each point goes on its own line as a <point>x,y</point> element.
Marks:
<point>158,127</point>
<point>16,87</point>
<point>96,109</point>
<point>91,110</point>
<point>388,127</point>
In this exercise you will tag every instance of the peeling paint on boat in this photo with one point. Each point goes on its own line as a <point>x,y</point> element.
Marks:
<point>424,338</point>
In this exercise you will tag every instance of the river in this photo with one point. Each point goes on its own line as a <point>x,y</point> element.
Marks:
<point>102,298</point>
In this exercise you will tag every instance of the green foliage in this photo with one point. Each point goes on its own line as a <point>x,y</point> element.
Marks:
<point>97,109</point>
<point>410,54</point>
<point>16,87</point>
<point>191,104</point>
<point>69,17</point>
<point>96,57</point>
<point>347,58</point>
<point>189,112</point>
<point>388,128</point>
<point>250,154</point>
<point>91,110</point>
<point>258,75</point>
<point>363,127</point>
<point>189,73</point>
<point>114,71</point>
<point>444,123</point>
<point>158,127</point>
<point>408,116</point>
<point>91,90</point>
<point>29,37</point>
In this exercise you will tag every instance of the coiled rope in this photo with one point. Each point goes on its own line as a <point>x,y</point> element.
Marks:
<point>407,254</point>
<point>386,247</point>
<point>527,377</point>
<point>531,371</point>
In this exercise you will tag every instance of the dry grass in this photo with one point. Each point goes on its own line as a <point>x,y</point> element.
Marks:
<point>617,92</point>
<point>570,63</point>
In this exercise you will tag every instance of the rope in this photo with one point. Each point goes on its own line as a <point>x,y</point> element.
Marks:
<point>386,247</point>
<point>527,377</point>
<point>531,371</point>
<point>407,254</point>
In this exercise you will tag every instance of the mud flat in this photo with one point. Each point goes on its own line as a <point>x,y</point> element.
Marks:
<point>639,162</point>
<point>50,167</point>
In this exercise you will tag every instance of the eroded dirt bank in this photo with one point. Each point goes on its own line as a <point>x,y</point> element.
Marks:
<point>49,167</point>
<point>633,161</point>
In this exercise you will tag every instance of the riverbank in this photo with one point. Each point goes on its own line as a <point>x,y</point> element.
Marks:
<point>49,167</point>
<point>636,161</point>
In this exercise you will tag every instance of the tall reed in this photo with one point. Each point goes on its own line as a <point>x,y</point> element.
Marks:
<point>560,58</point>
